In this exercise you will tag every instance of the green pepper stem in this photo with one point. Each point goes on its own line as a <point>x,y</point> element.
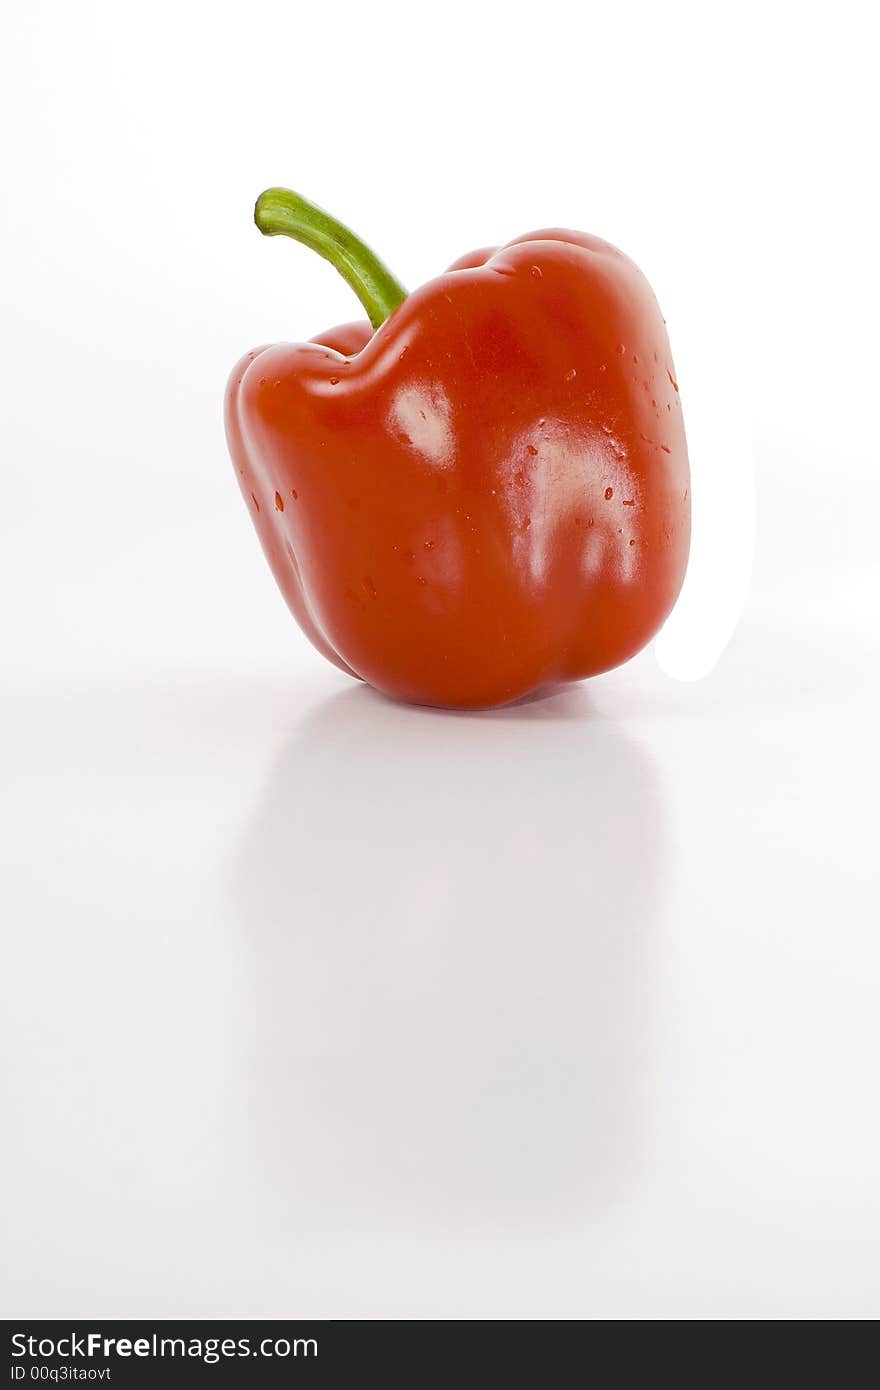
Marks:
<point>280,212</point>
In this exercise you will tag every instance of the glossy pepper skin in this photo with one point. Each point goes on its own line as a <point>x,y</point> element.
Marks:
<point>487,495</point>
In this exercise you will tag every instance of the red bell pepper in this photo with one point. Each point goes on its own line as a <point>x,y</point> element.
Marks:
<point>485,489</point>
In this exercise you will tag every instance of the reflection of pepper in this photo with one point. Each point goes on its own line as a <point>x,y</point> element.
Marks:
<point>485,492</point>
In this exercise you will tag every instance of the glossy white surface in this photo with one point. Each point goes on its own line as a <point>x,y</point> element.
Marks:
<point>316,1005</point>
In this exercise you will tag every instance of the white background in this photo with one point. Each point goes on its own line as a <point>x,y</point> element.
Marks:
<point>317,1005</point>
